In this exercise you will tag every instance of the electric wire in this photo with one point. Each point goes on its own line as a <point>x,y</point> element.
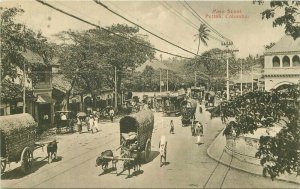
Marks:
<point>109,31</point>
<point>159,37</point>
<point>137,20</point>
<point>119,35</point>
<point>203,21</point>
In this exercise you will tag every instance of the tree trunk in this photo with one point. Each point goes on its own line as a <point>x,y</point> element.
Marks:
<point>67,96</point>
<point>198,46</point>
<point>119,81</point>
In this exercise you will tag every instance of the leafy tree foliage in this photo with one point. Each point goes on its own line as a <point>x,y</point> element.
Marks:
<point>259,109</point>
<point>93,55</point>
<point>16,39</point>
<point>290,17</point>
<point>124,54</point>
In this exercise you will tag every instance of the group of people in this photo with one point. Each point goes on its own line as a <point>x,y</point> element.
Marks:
<point>90,124</point>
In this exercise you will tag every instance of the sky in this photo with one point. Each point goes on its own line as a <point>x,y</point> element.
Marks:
<point>240,21</point>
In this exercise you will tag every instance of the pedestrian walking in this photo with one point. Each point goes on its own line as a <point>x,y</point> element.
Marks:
<point>96,123</point>
<point>199,132</point>
<point>193,128</point>
<point>171,127</point>
<point>163,150</point>
<point>79,125</point>
<point>111,114</point>
<point>91,124</point>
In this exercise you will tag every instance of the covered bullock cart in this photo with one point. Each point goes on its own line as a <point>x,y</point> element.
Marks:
<point>188,110</point>
<point>17,140</point>
<point>137,129</point>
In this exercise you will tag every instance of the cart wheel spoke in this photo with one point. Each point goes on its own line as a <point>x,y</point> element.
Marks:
<point>3,166</point>
<point>147,150</point>
<point>27,158</point>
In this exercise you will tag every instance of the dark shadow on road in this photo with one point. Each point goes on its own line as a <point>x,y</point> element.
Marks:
<point>57,159</point>
<point>134,174</point>
<point>109,170</point>
<point>152,156</point>
<point>17,173</point>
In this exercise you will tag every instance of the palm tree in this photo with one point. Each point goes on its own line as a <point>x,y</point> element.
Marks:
<point>202,35</point>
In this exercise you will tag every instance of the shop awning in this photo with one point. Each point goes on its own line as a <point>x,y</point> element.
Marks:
<point>44,99</point>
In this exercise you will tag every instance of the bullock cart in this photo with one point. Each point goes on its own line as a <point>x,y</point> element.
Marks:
<point>188,110</point>
<point>18,135</point>
<point>136,129</point>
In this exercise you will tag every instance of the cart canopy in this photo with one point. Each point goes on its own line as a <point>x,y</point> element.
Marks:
<point>17,132</point>
<point>16,122</point>
<point>142,121</point>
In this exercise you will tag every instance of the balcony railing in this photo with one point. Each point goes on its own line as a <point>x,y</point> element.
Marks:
<point>282,71</point>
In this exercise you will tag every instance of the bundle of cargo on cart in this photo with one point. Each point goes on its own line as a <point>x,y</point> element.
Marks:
<point>19,140</point>
<point>135,143</point>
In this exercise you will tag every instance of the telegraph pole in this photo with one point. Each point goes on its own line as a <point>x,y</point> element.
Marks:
<point>160,80</point>
<point>116,98</point>
<point>167,80</point>
<point>24,90</point>
<point>252,76</point>
<point>195,78</point>
<point>241,78</point>
<point>160,74</point>
<point>227,43</point>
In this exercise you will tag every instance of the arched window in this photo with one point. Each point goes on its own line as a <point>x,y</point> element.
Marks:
<point>286,61</point>
<point>276,61</point>
<point>296,60</point>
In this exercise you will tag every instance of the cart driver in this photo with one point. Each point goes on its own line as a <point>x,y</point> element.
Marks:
<point>163,150</point>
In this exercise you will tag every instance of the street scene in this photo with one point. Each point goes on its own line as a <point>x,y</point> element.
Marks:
<point>150,94</point>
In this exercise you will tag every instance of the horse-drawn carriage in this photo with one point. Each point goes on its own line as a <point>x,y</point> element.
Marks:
<point>188,110</point>
<point>18,140</point>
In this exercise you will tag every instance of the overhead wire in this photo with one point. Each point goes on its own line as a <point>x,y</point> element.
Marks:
<point>119,35</point>
<point>185,19</point>
<point>109,31</point>
<point>138,20</point>
<point>159,37</point>
<point>203,21</point>
<point>178,14</point>
<point>195,14</point>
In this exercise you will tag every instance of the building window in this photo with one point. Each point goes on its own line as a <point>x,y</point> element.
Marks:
<point>286,61</point>
<point>296,60</point>
<point>276,61</point>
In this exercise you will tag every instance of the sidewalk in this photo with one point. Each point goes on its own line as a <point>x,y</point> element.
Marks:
<point>217,151</point>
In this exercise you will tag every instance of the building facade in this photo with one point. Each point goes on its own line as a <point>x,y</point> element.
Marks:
<point>38,101</point>
<point>282,63</point>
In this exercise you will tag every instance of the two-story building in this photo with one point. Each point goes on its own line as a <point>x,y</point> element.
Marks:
<point>38,101</point>
<point>282,64</point>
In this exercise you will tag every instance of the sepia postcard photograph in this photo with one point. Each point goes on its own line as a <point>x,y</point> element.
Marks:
<point>150,94</point>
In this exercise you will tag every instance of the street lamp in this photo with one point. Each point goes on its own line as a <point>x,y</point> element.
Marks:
<point>227,43</point>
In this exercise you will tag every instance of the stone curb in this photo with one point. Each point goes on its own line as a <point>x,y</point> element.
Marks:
<point>236,167</point>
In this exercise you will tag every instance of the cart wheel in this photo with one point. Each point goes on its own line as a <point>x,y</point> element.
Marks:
<point>26,160</point>
<point>147,151</point>
<point>3,165</point>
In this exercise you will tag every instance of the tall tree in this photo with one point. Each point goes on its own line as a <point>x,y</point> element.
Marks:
<point>258,109</point>
<point>124,54</point>
<point>94,55</point>
<point>16,40</point>
<point>203,33</point>
<point>289,18</point>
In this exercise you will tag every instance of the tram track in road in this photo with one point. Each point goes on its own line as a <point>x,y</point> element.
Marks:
<point>91,148</point>
<point>76,165</point>
<point>214,173</point>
